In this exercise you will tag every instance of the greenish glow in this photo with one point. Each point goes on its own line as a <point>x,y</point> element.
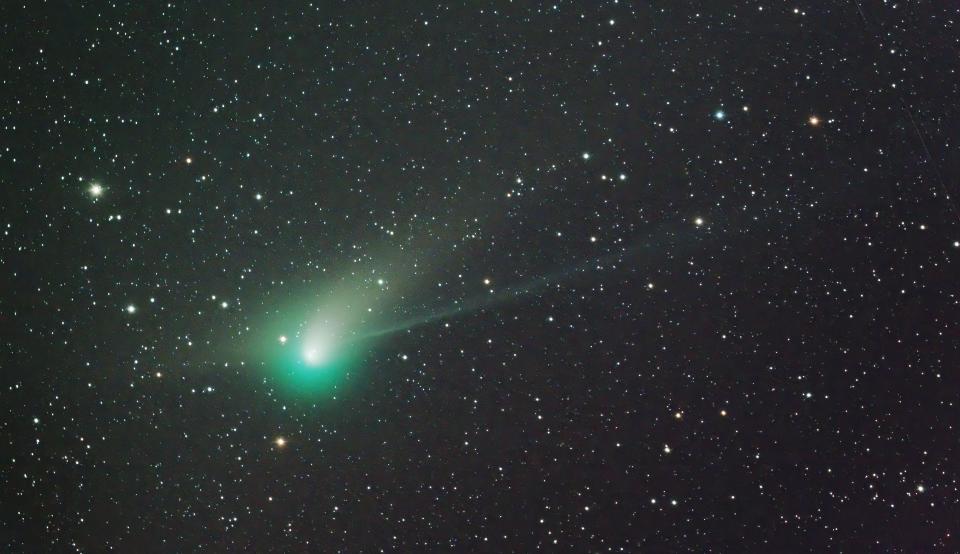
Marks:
<point>300,368</point>
<point>312,345</point>
<point>307,346</point>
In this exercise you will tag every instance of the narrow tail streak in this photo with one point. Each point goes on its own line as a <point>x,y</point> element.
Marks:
<point>479,302</point>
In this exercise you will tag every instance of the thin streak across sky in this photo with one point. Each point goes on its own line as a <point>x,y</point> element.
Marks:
<point>496,297</point>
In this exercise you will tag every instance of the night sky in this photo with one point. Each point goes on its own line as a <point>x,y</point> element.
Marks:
<point>356,276</point>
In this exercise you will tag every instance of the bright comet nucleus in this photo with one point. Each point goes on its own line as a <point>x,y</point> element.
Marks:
<point>314,355</point>
<point>321,342</point>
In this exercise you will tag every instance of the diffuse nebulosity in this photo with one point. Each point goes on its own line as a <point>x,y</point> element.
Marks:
<point>315,342</point>
<point>311,342</point>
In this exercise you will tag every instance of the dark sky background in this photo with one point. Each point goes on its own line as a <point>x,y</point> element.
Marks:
<point>727,231</point>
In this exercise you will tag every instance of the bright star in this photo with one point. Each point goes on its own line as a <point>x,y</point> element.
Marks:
<point>96,190</point>
<point>720,115</point>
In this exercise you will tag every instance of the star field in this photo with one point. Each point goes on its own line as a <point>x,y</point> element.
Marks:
<point>509,276</point>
